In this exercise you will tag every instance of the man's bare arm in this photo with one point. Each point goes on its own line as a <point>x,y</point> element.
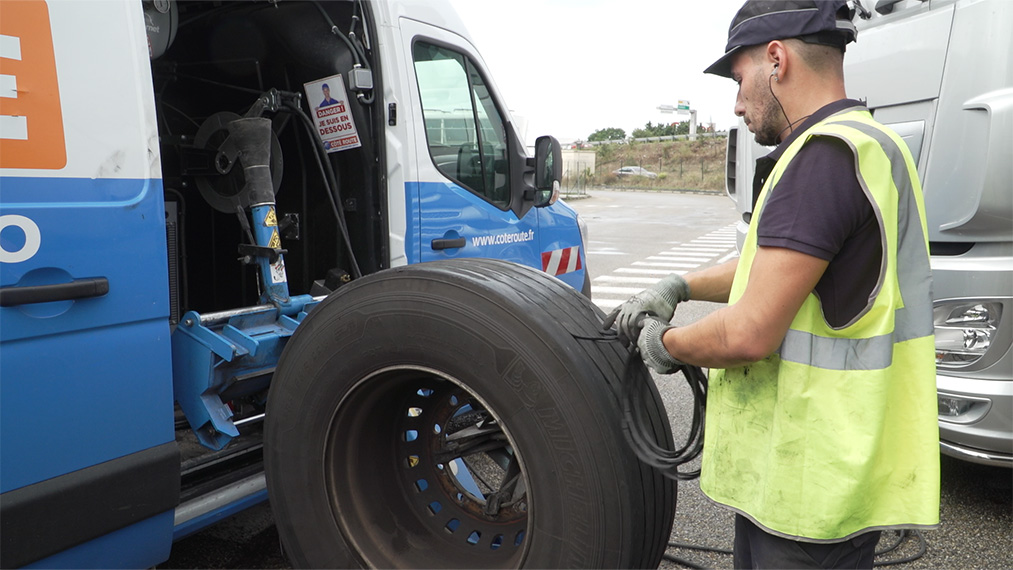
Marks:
<point>712,284</point>
<point>754,327</point>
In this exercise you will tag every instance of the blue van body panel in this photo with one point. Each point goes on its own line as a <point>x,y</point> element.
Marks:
<point>89,380</point>
<point>444,210</point>
<point>119,398</point>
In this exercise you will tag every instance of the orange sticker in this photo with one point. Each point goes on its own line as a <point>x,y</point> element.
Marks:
<point>30,115</point>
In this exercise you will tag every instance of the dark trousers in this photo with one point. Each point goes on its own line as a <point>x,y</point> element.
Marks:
<point>756,548</point>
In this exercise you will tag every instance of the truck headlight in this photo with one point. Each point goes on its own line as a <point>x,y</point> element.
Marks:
<point>964,330</point>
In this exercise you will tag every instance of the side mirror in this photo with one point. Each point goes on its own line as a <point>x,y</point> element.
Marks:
<point>548,171</point>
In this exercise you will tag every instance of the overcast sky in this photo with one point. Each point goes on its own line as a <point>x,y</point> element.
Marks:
<point>570,67</point>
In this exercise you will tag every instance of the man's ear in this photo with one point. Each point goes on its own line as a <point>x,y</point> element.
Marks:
<point>776,55</point>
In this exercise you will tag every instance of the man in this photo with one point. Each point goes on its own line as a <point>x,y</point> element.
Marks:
<point>821,414</point>
<point>327,102</point>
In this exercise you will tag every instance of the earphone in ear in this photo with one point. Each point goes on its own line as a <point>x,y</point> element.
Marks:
<point>774,72</point>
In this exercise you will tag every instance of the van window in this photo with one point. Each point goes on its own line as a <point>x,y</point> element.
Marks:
<point>465,131</point>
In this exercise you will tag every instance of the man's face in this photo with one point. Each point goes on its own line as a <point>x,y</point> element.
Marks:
<point>754,102</point>
<point>327,93</point>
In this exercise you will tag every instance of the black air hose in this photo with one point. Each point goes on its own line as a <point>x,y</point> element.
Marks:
<point>357,53</point>
<point>635,424</point>
<point>330,182</point>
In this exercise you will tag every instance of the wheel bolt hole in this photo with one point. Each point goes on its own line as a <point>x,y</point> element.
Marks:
<point>519,538</point>
<point>497,542</point>
<point>422,484</point>
<point>474,537</point>
<point>425,392</point>
<point>435,507</point>
<point>414,412</point>
<point>412,460</point>
<point>411,435</point>
<point>437,428</point>
<point>452,525</point>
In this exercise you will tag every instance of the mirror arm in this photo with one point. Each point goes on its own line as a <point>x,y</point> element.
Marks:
<point>521,173</point>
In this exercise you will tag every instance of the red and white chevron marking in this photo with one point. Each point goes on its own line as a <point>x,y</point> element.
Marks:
<point>561,261</point>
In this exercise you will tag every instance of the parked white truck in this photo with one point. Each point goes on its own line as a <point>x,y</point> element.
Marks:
<point>940,73</point>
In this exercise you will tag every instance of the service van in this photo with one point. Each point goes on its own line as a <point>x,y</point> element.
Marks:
<point>296,251</point>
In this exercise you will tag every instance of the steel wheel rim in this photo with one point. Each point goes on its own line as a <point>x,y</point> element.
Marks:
<point>421,472</point>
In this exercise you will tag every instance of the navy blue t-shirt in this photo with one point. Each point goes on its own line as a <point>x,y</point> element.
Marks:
<point>819,208</point>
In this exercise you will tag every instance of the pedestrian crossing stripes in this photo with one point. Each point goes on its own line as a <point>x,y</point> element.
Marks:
<point>641,270</point>
<point>610,291</point>
<point>627,291</point>
<point>609,279</point>
<point>681,256</point>
<point>669,264</point>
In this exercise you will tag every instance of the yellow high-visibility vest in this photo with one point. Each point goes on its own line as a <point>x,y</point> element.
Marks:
<point>835,433</point>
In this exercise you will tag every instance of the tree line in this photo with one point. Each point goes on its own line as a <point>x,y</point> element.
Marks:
<point>648,130</point>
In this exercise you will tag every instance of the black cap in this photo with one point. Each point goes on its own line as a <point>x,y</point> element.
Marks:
<point>826,22</point>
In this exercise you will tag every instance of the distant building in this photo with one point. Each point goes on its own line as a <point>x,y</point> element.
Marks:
<point>577,161</point>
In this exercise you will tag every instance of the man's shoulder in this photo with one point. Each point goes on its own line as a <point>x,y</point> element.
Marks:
<point>827,151</point>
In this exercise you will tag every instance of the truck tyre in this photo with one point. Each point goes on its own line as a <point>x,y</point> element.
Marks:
<point>447,414</point>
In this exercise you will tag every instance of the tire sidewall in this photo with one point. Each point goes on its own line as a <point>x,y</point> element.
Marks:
<point>558,427</point>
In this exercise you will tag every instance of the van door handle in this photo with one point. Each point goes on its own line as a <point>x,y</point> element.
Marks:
<point>448,243</point>
<point>76,289</point>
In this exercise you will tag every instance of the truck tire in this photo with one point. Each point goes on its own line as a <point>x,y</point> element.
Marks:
<point>447,415</point>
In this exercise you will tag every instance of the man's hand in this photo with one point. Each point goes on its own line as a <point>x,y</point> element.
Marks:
<point>653,350</point>
<point>659,300</point>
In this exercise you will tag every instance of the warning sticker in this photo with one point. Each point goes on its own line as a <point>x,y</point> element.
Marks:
<point>278,272</point>
<point>271,219</point>
<point>275,240</point>
<point>329,102</point>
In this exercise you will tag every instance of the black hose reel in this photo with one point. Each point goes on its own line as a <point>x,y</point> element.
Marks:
<point>228,188</point>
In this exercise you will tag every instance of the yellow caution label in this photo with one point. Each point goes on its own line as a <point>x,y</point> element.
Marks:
<point>275,240</point>
<point>271,220</point>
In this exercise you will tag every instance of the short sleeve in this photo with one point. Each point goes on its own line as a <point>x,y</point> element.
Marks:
<point>819,208</point>
<point>817,203</point>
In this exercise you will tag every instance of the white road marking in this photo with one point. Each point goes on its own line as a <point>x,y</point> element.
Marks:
<point>608,291</point>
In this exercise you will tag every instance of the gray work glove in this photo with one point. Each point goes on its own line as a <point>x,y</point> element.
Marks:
<point>653,350</point>
<point>658,300</point>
